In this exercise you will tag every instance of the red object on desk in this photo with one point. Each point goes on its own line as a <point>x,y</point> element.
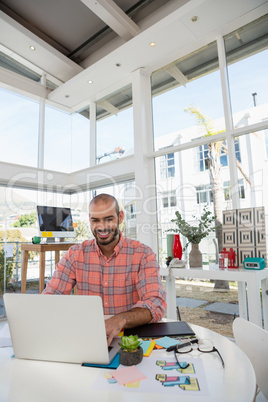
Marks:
<point>177,247</point>
<point>231,258</point>
<point>223,257</point>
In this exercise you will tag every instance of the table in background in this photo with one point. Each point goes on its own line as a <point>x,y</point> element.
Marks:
<point>41,249</point>
<point>248,297</point>
<point>32,381</point>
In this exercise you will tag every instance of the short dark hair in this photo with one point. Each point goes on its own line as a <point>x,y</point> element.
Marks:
<point>105,198</point>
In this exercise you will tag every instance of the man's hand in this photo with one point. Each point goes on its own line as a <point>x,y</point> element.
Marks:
<point>113,326</point>
<point>129,319</point>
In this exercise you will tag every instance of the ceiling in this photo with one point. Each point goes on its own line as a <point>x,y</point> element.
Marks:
<point>104,41</point>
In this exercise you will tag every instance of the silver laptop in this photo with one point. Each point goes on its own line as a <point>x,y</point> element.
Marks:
<point>59,328</point>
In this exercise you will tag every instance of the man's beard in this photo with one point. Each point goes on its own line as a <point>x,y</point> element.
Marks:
<point>109,240</point>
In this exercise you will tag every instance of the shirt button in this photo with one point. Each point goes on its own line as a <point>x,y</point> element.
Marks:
<point>105,284</point>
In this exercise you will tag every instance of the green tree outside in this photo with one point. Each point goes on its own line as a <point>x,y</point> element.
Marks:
<point>26,220</point>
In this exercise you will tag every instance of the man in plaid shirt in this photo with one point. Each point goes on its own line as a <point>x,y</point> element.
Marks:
<point>123,272</point>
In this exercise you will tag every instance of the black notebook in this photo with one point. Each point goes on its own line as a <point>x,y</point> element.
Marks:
<point>160,329</point>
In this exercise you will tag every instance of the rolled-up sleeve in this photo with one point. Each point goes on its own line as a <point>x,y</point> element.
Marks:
<point>150,288</point>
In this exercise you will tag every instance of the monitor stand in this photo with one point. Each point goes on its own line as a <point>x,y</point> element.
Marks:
<point>50,240</point>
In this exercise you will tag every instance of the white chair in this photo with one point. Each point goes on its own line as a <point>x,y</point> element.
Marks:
<point>253,340</point>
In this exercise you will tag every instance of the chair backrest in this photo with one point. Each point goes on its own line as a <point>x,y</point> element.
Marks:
<point>253,340</point>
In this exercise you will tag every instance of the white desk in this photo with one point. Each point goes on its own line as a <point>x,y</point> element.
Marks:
<point>249,282</point>
<point>35,381</point>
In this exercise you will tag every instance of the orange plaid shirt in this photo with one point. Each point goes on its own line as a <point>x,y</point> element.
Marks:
<point>129,278</point>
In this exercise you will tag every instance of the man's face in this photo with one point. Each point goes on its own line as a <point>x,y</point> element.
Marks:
<point>105,222</point>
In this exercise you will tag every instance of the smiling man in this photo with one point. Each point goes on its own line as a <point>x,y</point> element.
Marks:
<point>123,272</point>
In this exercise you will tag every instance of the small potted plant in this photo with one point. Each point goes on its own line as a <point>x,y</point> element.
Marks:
<point>195,233</point>
<point>131,353</point>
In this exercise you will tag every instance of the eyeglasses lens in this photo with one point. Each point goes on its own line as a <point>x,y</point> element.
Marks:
<point>205,345</point>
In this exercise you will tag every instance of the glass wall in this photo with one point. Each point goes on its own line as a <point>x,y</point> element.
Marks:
<point>189,110</point>
<point>80,148</point>
<point>254,170</point>
<point>19,118</point>
<point>66,146</point>
<point>115,138</point>
<point>193,184</point>
<point>247,58</point>
<point>180,90</point>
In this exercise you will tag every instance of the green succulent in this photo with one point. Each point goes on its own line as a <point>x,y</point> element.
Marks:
<point>130,342</point>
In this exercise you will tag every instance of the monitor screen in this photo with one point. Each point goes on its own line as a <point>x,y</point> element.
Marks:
<point>55,222</point>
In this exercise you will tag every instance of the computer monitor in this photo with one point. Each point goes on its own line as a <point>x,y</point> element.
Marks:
<point>55,222</point>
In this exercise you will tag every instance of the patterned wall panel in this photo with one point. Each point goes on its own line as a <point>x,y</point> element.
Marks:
<point>244,231</point>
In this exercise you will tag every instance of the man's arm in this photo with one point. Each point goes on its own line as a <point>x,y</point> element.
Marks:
<point>128,319</point>
<point>63,279</point>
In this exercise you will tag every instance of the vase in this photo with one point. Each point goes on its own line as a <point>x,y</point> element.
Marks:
<point>195,257</point>
<point>127,358</point>
<point>177,247</point>
<point>170,242</point>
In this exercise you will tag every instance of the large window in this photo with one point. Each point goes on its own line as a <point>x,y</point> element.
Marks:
<point>252,173</point>
<point>182,86</point>
<point>80,142</point>
<point>115,137</point>
<point>247,59</point>
<point>19,118</point>
<point>58,140</point>
<point>66,141</point>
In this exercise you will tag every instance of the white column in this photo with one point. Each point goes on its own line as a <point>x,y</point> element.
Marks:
<point>41,133</point>
<point>228,123</point>
<point>146,219</point>
<point>92,142</point>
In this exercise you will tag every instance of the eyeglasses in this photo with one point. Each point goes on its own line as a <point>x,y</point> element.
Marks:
<point>204,346</point>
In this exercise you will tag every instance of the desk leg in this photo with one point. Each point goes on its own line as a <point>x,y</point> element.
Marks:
<point>42,267</point>
<point>254,302</point>
<point>24,271</point>
<point>171,297</point>
<point>264,286</point>
<point>242,300</point>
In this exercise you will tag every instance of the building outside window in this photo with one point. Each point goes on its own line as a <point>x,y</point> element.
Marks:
<point>167,166</point>
<point>169,200</point>
<point>203,155</point>
<point>204,194</point>
<point>227,189</point>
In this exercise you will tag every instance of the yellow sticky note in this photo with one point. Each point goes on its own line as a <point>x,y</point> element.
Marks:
<point>149,350</point>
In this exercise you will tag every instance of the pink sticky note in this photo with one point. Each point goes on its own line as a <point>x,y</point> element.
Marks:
<point>129,374</point>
